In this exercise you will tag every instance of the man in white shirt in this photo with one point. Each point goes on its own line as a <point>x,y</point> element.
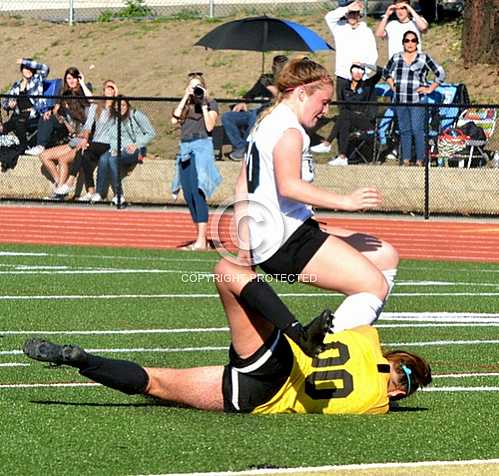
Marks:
<point>354,40</point>
<point>407,19</point>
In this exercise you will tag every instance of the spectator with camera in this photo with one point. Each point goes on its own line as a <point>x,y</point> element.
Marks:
<point>136,133</point>
<point>196,173</point>
<point>239,121</point>
<point>399,18</point>
<point>25,110</point>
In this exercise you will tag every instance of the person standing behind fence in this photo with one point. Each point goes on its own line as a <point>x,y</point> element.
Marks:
<point>406,19</point>
<point>25,109</point>
<point>406,74</point>
<point>354,40</point>
<point>196,173</point>
<point>136,132</point>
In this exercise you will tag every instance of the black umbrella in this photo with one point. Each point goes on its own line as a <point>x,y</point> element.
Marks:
<point>263,34</point>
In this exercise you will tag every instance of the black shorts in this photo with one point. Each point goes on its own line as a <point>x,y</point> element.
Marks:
<point>250,382</point>
<point>288,262</point>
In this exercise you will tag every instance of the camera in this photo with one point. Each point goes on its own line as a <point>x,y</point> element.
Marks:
<point>198,92</point>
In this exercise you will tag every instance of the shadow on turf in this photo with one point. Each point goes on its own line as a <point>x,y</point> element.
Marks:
<point>151,402</point>
<point>395,408</point>
<point>92,404</point>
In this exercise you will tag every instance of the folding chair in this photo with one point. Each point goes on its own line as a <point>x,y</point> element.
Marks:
<point>485,119</point>
<point>362,146</point>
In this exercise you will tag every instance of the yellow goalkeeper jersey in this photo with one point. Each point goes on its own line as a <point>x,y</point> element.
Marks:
<point>350,376</point>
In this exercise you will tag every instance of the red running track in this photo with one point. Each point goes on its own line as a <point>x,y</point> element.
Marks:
<point>415,239</point>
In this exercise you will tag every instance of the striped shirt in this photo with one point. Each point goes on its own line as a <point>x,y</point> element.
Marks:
<point>409,77</point>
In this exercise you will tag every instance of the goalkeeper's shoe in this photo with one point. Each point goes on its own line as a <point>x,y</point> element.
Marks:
<point>45,351</point>
<point>311,340</point>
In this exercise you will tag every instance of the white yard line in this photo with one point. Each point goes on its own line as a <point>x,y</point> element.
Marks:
<point>316,469</point>
<point>466,375</point>
<point>72,297</point>
<point>222,348</point>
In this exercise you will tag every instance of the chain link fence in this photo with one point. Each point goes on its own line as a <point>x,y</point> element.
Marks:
<point>459,173</point>
<point>105,10</point>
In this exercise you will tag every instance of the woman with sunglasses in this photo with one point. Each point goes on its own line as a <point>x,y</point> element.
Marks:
<point>274,219</point>
<point>196,174</point>
<point>406,73</point>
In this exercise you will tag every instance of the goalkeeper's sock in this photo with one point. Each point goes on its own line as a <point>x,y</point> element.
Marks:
<point>123,375</point>
<point>258,296</point>
<point>357,310</point>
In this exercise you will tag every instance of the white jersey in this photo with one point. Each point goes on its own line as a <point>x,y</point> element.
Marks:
<point>272,217</point>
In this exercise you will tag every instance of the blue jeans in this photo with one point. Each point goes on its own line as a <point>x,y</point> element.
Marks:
<point>237,126</point>
<point>412,124</point>
<point>194,196</point>
<point>109,168</point>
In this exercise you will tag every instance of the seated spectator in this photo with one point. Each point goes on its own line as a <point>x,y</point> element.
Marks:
<point>96,132</point>
<point>399,18</point>
<point>71,114</point>
<point>73,85</point>
<point>238,122</point>
<point>25,110</point>
<point>136,133</point>
<point>354,117</point>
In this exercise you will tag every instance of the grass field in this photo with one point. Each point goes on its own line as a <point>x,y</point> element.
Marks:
<point>161,309</point>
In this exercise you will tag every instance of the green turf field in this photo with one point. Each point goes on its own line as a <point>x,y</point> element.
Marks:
<point>81,294</point>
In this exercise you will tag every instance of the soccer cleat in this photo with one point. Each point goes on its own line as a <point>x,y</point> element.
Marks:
<point>312,340</point>
<point>45,351</point>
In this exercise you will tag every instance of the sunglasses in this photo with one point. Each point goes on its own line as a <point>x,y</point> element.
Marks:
<point>196,73</point>
<point>408,40</point>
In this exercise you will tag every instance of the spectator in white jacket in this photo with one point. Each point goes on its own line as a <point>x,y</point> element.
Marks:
<point>354,40</point>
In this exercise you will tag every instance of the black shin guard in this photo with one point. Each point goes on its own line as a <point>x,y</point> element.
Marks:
<point>260,297</point>
<point>125,376</point>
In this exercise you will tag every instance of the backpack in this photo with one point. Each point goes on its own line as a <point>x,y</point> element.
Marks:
<point>9,156</point>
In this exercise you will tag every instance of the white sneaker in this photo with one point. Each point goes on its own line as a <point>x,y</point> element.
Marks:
<point>86,198</point>
<point>63,189</point>
<point>338,161</point>
<point>37,150</point>
<point>393,155</point>
<point>322,148</point>
<point>96,198</point>
<point>114,201</point>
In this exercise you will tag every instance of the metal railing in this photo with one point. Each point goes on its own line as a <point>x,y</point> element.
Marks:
<point>72,11</point>
<point>459,174</point>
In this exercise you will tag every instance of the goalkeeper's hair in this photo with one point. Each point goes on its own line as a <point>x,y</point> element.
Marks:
<point>419,374</point>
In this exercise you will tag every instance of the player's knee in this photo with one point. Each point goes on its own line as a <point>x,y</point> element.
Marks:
<point>391,257</point>
<point>378,285</point>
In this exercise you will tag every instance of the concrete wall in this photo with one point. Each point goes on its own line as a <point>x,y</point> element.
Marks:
<point>452,190</point>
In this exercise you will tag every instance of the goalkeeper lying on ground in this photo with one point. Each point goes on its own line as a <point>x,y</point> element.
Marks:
<point>267,371</point>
